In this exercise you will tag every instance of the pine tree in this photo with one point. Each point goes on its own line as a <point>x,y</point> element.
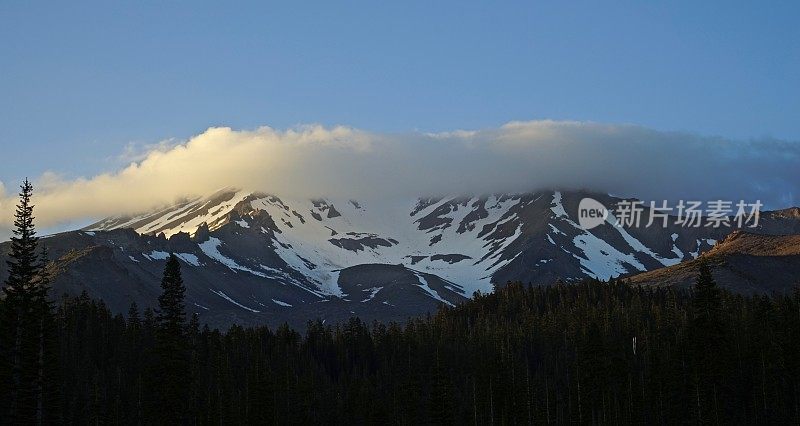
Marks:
<point>707,301</point>
<point>707,343</point>
<point>172,310</point>
<point>22,268</point>
<point>172,380</point>
<point>27,319</point>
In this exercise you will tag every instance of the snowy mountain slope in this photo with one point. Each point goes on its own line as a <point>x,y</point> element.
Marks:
<point>474,241</point>
<point>252,257</point>
<point>317,238</point>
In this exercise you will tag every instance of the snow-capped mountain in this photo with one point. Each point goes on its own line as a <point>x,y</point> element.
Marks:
<point>307,242</point>
<point>250,257</point>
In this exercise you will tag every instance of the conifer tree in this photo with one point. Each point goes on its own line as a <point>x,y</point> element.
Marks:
<point>707,295</point>
<point>566,351</point>
<point>23,267</point>
<point>707,343</point>
<point>27,319</point>
<point>172,379</point>
<point>172,310</point>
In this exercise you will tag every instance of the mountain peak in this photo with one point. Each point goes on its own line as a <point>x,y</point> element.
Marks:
<point>242,249</point>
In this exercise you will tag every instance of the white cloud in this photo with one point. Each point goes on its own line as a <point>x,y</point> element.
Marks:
<point>341,161</point>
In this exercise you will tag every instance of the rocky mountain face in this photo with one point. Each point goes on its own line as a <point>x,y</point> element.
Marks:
<point>256,258</point>
<point>743,262</point>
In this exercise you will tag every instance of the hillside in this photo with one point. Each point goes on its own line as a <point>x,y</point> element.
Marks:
<point>743,262</point>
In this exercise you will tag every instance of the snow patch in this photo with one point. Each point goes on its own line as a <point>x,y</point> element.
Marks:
<point>557,207</point>
<point>372,292</point>
<point>423,283</point>
<point>697,251</point>
<point>602,260</point>
<point>226,297</point>
<point>677,251</point>
<point>156,255</point>
<point>211,249</point>
<point>641,248</point>
<point>188,258</point>
<point>556,230</point>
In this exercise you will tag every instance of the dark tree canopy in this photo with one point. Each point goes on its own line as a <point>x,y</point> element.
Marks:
<point>589,352</point>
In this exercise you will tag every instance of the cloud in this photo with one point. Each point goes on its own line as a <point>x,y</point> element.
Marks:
<point>138,151</point>
<point>314,161</point>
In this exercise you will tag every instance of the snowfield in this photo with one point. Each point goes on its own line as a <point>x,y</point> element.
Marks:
<point>460,239</point>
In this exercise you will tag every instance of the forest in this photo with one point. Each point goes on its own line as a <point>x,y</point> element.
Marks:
<point>589,352</point>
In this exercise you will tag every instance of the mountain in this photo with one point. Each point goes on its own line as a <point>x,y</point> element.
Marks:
<point>252,258</point>
<point>743,262</point>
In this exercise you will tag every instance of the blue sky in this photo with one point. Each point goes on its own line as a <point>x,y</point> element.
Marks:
<point>79,81</point>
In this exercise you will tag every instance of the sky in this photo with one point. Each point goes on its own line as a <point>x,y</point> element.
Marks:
<point>88,87</point>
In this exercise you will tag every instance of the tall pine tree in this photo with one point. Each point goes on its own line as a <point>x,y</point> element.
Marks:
<point>28,329</point>
<point>171,382</point>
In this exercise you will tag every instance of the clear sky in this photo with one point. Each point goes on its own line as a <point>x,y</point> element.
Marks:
<point>79,81</point>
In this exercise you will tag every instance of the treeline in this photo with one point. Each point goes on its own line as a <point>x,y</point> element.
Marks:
<point>589,353</point>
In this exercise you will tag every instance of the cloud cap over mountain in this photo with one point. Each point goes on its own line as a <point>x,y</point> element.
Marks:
<point>316,161</point>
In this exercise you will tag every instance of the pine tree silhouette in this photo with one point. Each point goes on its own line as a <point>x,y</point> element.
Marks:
<point>172,380</point>
<point>29,353</point>
<point>707,296</point>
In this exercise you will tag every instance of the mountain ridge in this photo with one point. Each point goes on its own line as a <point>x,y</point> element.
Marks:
<point>743,262</point>
<point>250,257</point>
